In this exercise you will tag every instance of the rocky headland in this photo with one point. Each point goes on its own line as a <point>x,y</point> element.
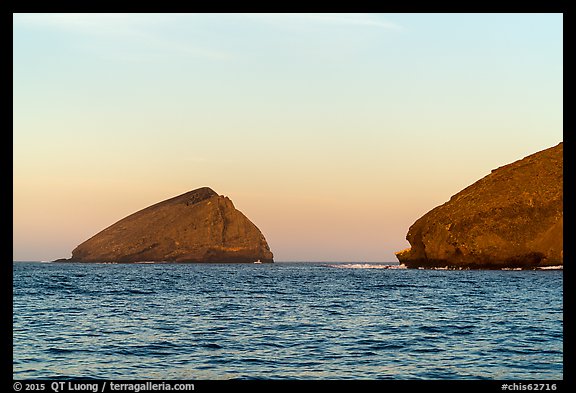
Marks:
<point>198,226</point>
<point>511,218</point>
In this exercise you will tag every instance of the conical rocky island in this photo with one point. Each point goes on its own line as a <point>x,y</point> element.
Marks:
<point>511,218</point>
<point>198,226</point>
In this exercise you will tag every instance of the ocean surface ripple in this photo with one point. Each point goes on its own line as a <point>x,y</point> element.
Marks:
<point>284,321</point>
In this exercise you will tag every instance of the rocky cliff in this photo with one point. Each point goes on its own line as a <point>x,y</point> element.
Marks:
<point>198,226</point>
<point>512,217</point>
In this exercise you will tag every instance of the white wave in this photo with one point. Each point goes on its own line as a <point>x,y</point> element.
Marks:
<point>558,267</point>
<point>366,266</point>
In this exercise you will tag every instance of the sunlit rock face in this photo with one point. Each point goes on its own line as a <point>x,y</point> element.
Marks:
<point>512,217</point>
<point>198,226</point>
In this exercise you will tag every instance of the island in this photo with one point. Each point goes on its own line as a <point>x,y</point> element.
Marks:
<point>511,218</point>
<point>197,226</point>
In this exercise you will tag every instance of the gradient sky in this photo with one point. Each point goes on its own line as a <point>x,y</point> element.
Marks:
<point>333,133</point>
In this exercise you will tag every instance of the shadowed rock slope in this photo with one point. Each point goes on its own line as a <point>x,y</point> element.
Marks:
<point>198,226</point>
<point>512,217</point>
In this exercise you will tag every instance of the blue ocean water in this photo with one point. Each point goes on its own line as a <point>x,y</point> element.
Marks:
<point>284,321</point>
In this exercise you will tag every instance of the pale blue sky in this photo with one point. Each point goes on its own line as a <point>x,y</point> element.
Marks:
<point>333,133</point>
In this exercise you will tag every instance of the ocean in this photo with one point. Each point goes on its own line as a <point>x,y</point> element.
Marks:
<point>318,321</point>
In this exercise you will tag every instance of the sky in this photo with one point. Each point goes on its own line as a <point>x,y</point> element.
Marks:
<point>333,133</point>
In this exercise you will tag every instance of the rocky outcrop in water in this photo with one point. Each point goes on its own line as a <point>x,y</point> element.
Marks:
<point>198,226</point>
<point>512,217</point>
